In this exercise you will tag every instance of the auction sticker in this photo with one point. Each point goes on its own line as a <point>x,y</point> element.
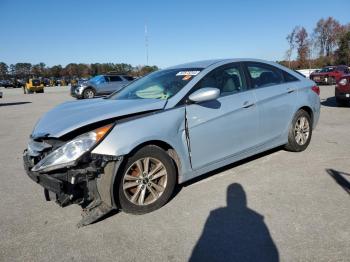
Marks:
<point>187,73</point>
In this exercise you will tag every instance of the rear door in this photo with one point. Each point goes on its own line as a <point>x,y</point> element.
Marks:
<point>275,98</point>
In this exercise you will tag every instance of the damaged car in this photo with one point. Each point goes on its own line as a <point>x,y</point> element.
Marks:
<point>128,151</point>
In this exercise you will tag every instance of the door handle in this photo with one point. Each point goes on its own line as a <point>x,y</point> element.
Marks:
<point>290,90</point>
<point>248,104</point>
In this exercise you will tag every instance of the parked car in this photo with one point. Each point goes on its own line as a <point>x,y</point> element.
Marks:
<point>101,85</point>
<point>342,91</point>
<point>47,82</point>
<point>33,85</point>
<point>129,150</point>
<point>329,75</point>
<point>6,83</point>
<point>20,83</point>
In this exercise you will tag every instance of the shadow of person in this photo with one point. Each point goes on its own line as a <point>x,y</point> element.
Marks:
<point>235,233</point>
<point>339,178</point>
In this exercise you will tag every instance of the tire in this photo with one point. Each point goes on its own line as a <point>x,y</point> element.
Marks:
<point>138,186</point>
<point>88,93</point>
<point>41,91</point>
<point>299,135</point>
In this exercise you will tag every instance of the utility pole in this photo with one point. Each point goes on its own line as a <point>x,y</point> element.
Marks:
<point>146,43</point>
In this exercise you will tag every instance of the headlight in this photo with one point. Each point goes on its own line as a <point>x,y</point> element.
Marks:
<point>79,89</point>
<point>343,82</point>
<point>66,155</point>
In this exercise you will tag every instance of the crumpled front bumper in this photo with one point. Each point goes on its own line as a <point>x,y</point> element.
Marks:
<point>55,186</point>
<point>89,186</point>
<point>44,180</point>
<point>75,93</point>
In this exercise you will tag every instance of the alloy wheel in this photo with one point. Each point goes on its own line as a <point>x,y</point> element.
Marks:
<point>145,181</point>
<point>89,94</point>
<point>301,130</point>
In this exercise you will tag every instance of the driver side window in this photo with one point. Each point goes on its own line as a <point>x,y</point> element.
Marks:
<point>228,79</point>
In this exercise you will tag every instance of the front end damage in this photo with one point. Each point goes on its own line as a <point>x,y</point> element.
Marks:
<point>88,183</point>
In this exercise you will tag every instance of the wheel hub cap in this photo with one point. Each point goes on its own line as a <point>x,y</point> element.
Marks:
<point>301,130</point>
<point>145,181</point>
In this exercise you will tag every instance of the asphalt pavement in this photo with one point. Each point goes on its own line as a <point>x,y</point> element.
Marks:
<point>276,206</point>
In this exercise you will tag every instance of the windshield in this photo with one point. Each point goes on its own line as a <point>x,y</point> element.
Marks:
<point>97,79</point>
<point>162,84</point>
<point>327,69</point>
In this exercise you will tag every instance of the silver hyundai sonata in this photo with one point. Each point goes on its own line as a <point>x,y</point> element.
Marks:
<point>129,150</point>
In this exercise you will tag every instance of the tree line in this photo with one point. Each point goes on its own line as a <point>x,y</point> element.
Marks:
<point>72,70</point>
<point>327,44</point>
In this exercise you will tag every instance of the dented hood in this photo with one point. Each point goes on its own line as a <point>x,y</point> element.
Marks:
<point>69,116</point>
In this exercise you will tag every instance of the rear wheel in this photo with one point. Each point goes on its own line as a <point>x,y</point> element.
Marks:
<point>300,132</point>
<point>88,93</point>
<point>147,181</point>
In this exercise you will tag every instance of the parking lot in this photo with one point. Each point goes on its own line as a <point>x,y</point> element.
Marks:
<point>276,206</point>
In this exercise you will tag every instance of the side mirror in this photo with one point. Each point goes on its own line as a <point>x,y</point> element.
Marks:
<point>204,94</point>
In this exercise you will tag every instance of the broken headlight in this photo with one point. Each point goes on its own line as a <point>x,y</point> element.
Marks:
<point>67,154</point>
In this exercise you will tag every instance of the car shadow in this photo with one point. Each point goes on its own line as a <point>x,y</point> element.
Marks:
<point>229,166</point>
<point>339,179</point>
<point>331,102</point>
<point>235,233</point>
<point>14,103</point>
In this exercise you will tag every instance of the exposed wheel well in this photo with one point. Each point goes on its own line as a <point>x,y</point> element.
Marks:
<point>89,87</point>
<point>309,111</point>
<point>167,148</point>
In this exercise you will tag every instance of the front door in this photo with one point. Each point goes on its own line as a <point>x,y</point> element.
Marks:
<point>224,127</point>
<point>115,83</point>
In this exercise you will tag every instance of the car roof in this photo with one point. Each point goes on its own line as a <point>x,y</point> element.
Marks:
<point>206,63</point>
<point>197,64</point>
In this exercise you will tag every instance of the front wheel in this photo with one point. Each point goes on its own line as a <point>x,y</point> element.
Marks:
<point>147,181</point>
<point>88,93</point>
<point>300,132</point>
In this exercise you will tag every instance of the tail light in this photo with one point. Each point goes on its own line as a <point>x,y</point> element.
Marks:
<point>316,89</point>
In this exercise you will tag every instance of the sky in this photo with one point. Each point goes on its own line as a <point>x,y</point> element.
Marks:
<point>101,31</point>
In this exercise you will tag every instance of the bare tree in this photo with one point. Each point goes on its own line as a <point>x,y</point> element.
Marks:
<point>326,35</point>
<point>291,42</point>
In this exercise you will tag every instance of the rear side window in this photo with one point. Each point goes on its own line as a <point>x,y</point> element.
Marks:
<point>115,78</point>
<point>263,75</point>
<point>288,77</point>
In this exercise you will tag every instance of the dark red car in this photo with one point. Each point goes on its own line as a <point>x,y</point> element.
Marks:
<point>342,91</point>
<point>329,75</point>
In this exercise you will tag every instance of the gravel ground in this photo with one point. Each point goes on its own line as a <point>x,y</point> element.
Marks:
<point>276,206</point>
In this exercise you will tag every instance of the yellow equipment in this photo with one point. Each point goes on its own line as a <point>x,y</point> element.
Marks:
<point>33,85</point>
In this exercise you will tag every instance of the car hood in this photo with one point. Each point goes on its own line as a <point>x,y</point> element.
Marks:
<point>71,115</point>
